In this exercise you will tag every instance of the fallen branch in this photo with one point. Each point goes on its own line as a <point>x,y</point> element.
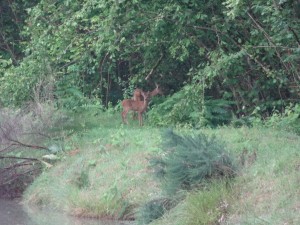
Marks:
<point>18,143</point>
<point>15,157</point>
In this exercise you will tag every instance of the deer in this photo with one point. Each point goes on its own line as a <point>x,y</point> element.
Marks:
<point>137,96</point>
<point>137,106</point>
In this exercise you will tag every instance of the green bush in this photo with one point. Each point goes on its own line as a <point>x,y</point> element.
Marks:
<point>188,107</point>
<point>190,160</point>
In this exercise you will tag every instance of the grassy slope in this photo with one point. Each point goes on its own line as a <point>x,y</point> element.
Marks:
<point>266,192</point>
<point>105,173</point>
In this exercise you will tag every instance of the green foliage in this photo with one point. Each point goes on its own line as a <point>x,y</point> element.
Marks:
<point>12,21</point>
<point>216,112</point>
<point>69,94</point>
<point>174,110</point>
<point>207,56</point>
<point>4,64</point>
<point>16,88</point>
<point>264,181</point>
<point>289,120</point>
<point>190,160</point>
<point>188,107</point>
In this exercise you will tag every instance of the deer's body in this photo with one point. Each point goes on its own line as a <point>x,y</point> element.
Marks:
<point>137,106</point>
<point>137,95</point>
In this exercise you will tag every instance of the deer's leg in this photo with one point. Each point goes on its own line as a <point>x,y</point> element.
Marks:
<point>134,115</point>
<point>124,116</point>
<point>141,119</point>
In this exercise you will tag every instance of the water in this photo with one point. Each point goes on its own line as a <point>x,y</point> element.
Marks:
<point>13,213</point>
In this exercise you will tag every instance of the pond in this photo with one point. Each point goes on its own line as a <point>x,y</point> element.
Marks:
<point>13,213</point>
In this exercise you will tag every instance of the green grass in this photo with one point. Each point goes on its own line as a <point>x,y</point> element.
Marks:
<point>268,191</point>
<point>200,207</point>
<point>265,192</point>
<point>104,173</point>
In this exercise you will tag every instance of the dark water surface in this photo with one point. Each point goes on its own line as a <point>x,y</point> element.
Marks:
<point>13,213</point>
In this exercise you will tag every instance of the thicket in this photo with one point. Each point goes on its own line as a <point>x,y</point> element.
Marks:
<point>217,60</point>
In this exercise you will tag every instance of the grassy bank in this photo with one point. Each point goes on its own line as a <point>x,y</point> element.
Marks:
<point>265,192</point>
<point>105,172</point>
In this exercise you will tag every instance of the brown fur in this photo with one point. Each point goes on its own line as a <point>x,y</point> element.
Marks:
<point>137,106</point>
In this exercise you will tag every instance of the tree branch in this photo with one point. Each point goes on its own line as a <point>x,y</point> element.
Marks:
<point>236,43</point>
<point>155,66</point>
<point>18,143</point>
<point>295,35</point>
<point>267,36</point>
<point>15,157</point>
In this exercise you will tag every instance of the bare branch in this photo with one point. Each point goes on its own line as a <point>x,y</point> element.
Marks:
<point>23,158</point>
<point>18,143</point>
<point>269,38</point>
<point>155,66</point>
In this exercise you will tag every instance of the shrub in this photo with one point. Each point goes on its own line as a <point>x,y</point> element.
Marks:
<point>185,107</point>
<point>190,160</point>
<point>153,210</point>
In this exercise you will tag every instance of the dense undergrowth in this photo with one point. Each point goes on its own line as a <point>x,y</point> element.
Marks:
<point>105,172</point>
